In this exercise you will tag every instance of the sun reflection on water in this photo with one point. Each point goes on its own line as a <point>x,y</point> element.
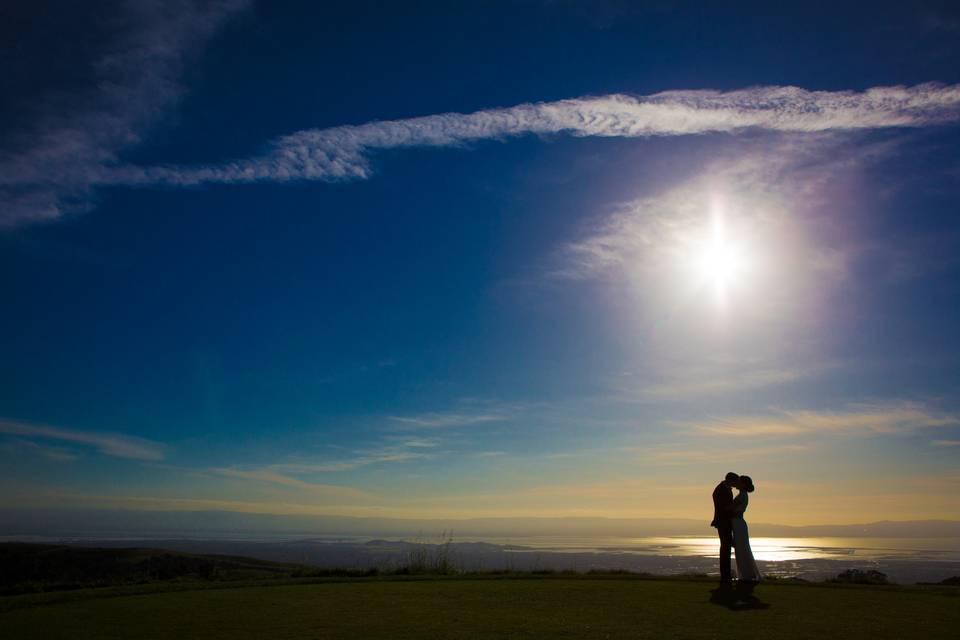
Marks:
<point>767,549</point>
<point>771,549</point>
<point>789,549</point>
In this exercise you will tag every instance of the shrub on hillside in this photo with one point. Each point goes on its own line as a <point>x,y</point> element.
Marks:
<point>860,576</point>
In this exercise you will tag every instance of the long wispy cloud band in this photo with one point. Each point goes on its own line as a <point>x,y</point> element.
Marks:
<point>111,444</point>
<point>344,153</point>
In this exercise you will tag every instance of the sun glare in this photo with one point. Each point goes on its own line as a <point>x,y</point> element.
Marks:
<point>721,264</point>
<point>719,259</point>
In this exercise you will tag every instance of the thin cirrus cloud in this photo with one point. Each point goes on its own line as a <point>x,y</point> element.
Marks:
<point>344,153</point>
<point>444,420</point>
<point>161,503</point>
<point>268,476</point>
<point>761,188</point>
<point>693,456</point>
<point>863,419</point>
<point>716,384</point>
<point>111,444</point>
<point>59,454</point>
<point>407,450</point>
<point>360,459</point>
<point>51,167</point>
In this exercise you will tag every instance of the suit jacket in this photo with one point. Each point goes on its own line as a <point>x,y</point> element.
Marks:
<point>722,506</point>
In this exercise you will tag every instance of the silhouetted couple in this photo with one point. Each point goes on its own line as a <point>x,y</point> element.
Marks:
<point>732,528</point>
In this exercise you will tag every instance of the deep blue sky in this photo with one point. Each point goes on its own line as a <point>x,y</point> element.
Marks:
<point>417,342</point>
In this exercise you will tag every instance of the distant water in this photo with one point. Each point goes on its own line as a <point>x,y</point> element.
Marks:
<point>905,560</point>
<point>764,548</point>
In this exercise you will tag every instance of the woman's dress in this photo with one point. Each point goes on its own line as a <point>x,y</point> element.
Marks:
<point>746,565</point>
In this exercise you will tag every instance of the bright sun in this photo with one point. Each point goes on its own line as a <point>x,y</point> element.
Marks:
<point>722,264</point>
<point>720,259</point>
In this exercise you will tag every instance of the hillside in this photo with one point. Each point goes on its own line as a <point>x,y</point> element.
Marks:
<point>42,567</point>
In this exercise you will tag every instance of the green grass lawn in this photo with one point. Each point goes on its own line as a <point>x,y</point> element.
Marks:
<point>548,607</point>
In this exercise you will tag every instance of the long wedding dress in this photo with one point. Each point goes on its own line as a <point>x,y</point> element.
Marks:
<point>746,566</point>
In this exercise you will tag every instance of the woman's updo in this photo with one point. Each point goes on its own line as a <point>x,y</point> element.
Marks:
<point>747,483</point>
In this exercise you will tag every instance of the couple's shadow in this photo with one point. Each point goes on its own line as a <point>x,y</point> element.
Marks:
<point>737,597</point>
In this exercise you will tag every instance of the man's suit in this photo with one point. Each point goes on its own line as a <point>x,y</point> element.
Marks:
<point>723,521</point>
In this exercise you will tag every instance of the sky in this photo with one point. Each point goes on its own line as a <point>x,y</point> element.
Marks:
<point>480,259</point>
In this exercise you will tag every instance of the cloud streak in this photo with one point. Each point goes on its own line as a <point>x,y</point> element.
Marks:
<point>344,153</point>
<point>266,475</point>
<point>51,169</point>
<point>361,459</point>
<point>885,418</point>
<point>946,443</point>
<point>721,379</point>
<point>59,454</point>
<point>690,456</point>
<point>445,420</point>
<point>406,450</point>
<point>111,444</point>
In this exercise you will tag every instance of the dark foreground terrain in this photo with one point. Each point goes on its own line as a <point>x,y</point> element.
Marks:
<point>56,591</point>
<point>31,568</point>
<point>483,607</point>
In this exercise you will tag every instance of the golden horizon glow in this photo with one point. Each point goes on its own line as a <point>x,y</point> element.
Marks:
<point>922,497</point>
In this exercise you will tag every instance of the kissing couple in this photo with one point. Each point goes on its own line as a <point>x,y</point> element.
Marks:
<point>732,528</point>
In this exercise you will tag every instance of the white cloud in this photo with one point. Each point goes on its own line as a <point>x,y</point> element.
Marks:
<point>111,444</point>
<point>341,153</point>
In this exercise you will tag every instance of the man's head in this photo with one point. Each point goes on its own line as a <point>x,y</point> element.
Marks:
<point>731,480</point>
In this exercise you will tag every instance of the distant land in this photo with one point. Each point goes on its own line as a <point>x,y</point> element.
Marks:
<point>214,524</point>
<point>479,544</point>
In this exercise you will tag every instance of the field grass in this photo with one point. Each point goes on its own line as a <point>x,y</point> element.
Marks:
<point>486,607</point>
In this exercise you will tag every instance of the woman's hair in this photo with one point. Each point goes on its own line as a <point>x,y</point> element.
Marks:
<point>747,483</point>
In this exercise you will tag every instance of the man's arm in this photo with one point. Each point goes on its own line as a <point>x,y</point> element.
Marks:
<point>723,499</point>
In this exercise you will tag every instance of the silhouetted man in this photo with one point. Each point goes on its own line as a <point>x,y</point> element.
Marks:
<point>723,521</point>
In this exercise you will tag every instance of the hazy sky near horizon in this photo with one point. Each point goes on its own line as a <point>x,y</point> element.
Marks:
<point>504,259</point>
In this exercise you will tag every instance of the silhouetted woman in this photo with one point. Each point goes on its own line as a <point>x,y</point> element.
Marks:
<point>747,569</point>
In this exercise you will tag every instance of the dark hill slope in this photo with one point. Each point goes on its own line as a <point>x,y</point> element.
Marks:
<point>45,567</point>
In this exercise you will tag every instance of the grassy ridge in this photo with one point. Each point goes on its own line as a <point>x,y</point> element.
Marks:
<point>28,568</point>
<point>554,607</point>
